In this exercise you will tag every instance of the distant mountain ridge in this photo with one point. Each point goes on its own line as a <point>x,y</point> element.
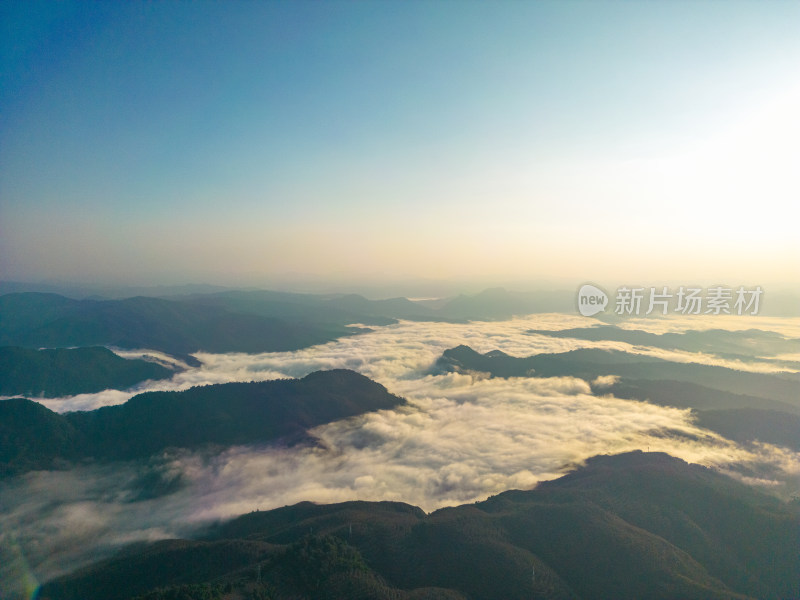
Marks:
<point>228,321</point>
<point>631,526</point>
<point>744,344</point>
<point>33,437</point>
<point>499,303</point>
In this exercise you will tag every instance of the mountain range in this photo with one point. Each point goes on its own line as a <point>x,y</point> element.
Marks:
<point>226,321</point>
<point>742,406</point>
<point>630,526</point>
<point>177,327</point>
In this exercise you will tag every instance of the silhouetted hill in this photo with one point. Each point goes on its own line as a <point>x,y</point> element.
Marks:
<point>328,310</point>
<point>736,416</point>
<point>62,372</point>
<point>227,321</point>
<point>177,327</point>
<point>752,424</point>
<point>493,303</point>
<point>689,395</point>
<point>740,405</point>
<point>345,309</point>
<point>106,291</point>
<point>590,363</point>
<point>224,414</point>
<point>335,309</point>
<point>748,343</point>
<point>632,526</point>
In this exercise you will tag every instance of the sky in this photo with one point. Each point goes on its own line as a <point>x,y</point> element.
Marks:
<point>270,143</point>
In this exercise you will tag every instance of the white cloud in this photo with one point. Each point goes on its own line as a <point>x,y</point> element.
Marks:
<point>400,352</point>
<point>605,381</point>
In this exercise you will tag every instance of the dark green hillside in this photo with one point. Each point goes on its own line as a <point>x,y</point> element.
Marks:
<point>739,535</point>
<point>34,437</point>
<point>319,567</point>
<point>63,372</point>
<point>230,413</point>
<point>632,526</point>
<point>170,562</point>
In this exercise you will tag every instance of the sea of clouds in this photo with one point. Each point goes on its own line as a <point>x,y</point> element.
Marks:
<point>460,438</point>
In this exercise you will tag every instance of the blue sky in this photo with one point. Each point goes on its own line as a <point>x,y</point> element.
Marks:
<point>254,143</point>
